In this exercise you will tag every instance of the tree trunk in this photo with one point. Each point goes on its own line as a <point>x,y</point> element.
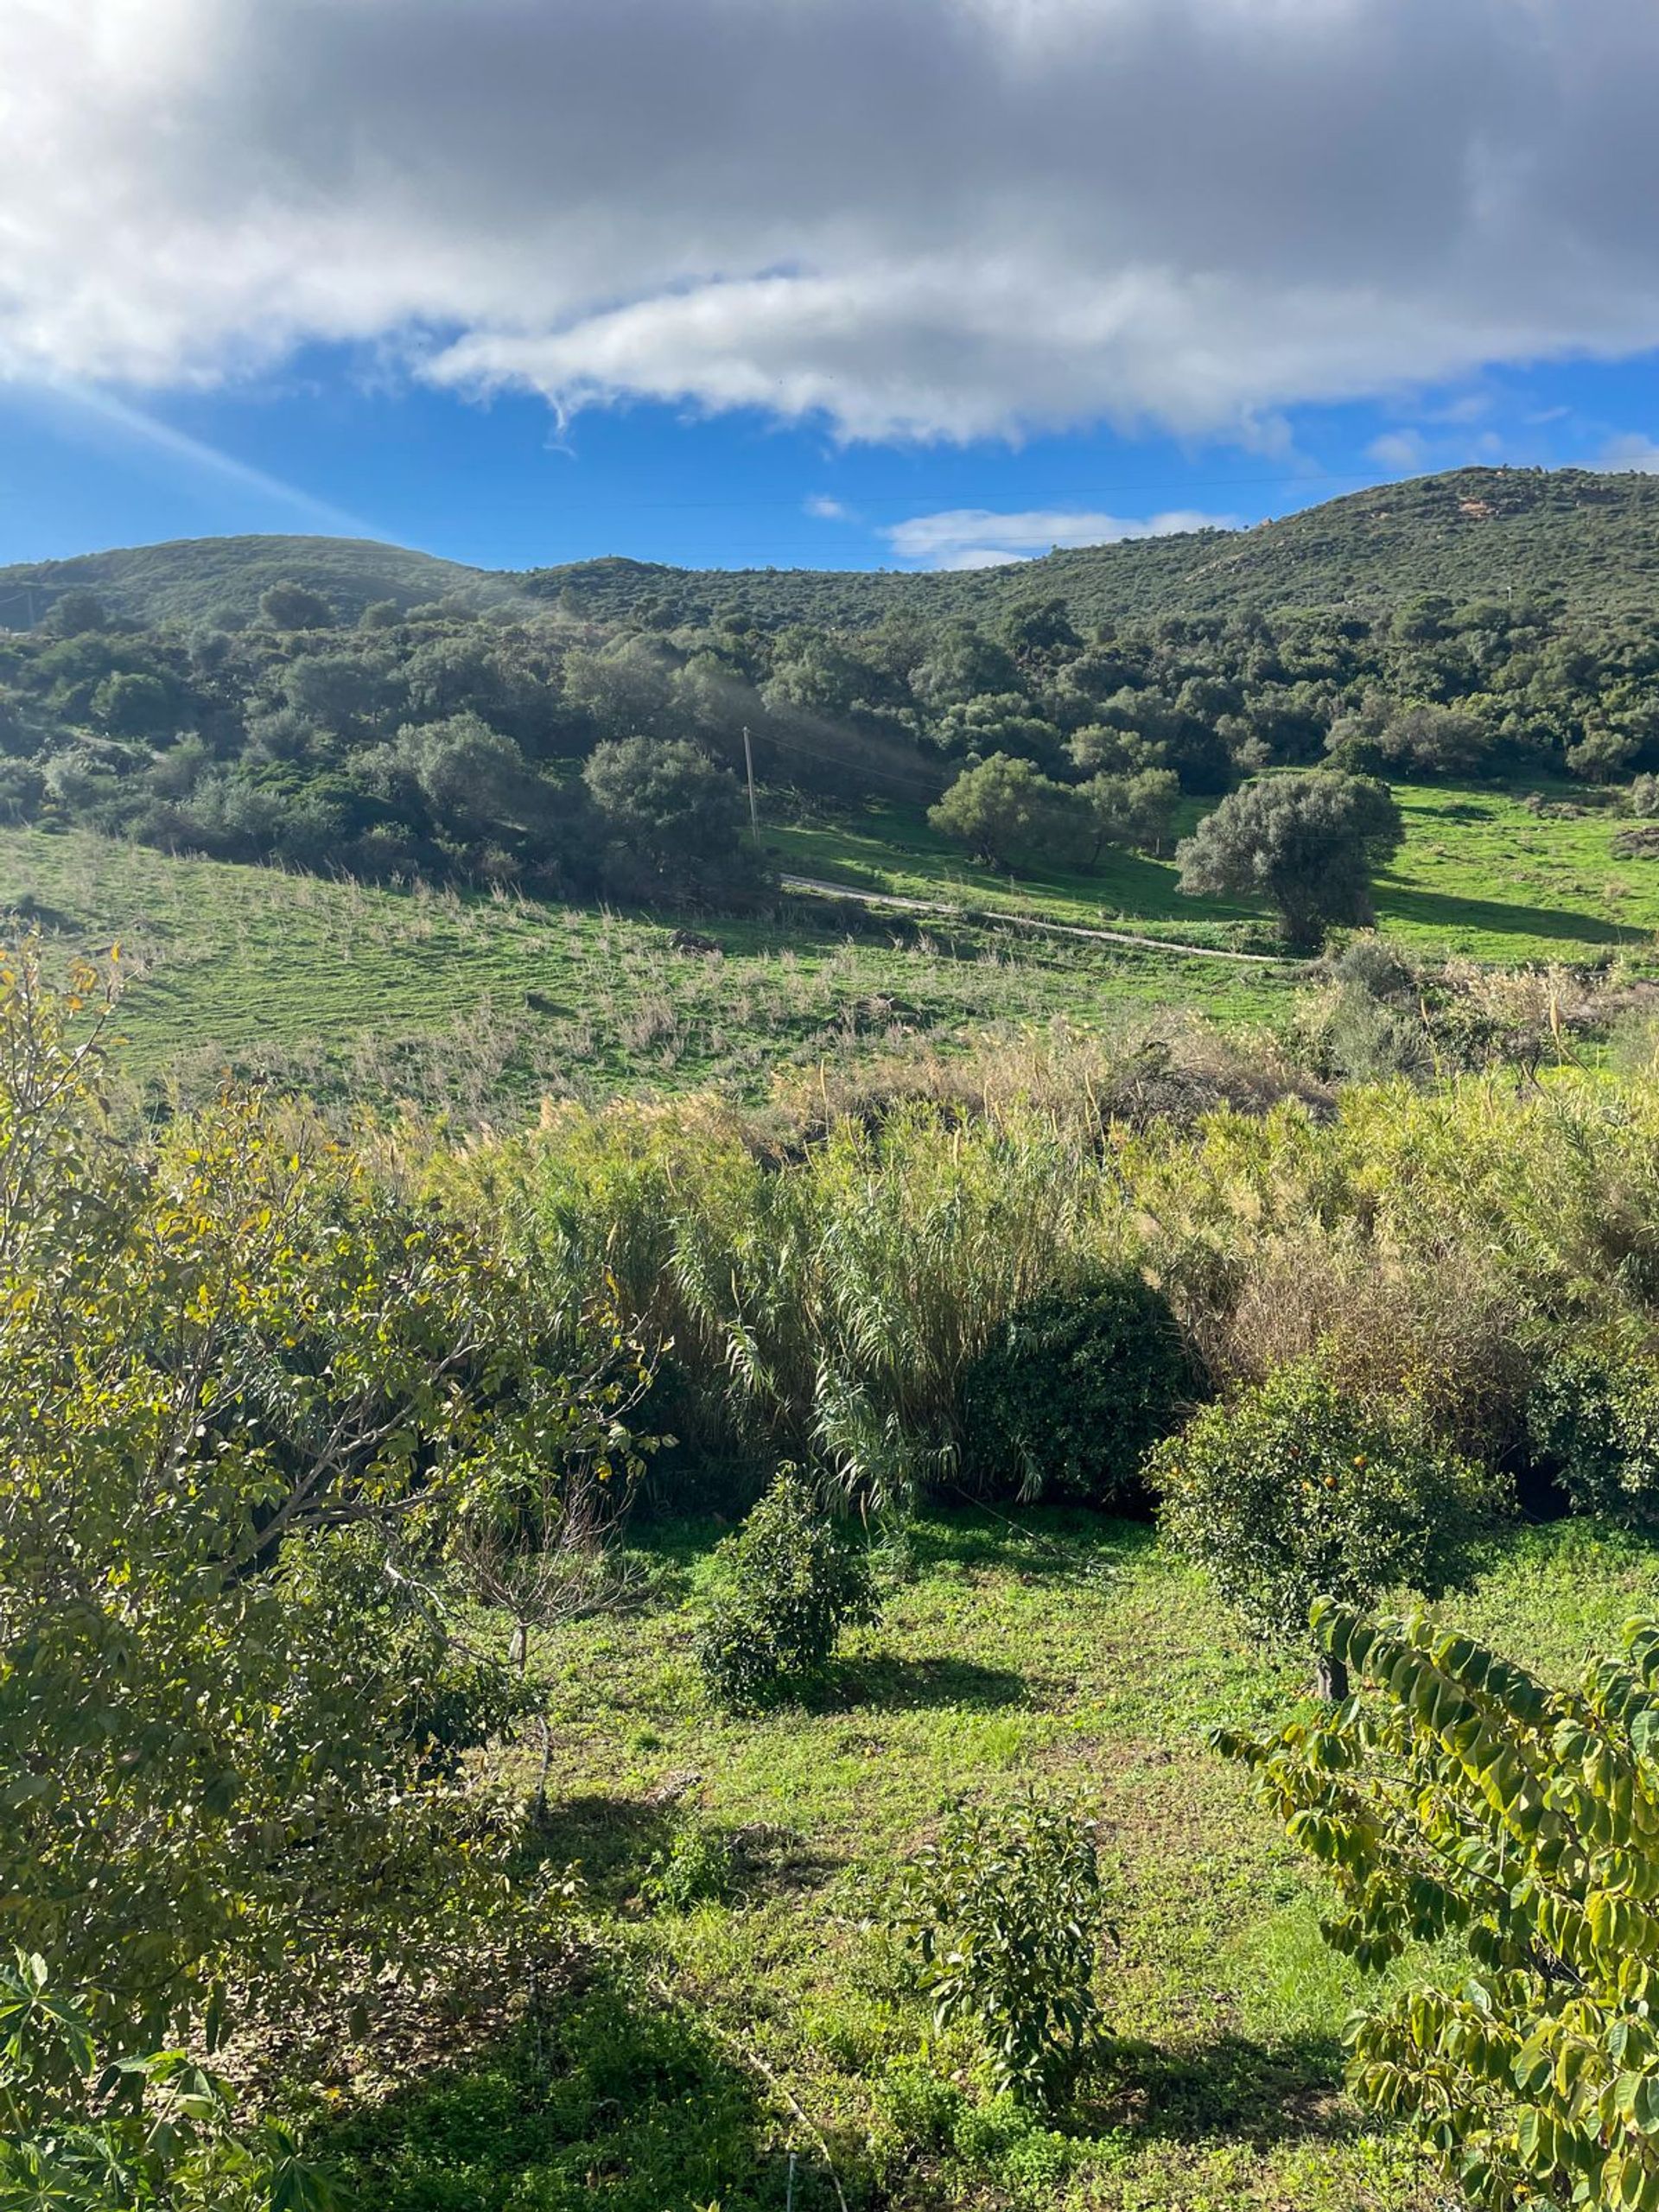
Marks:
<point>1330,1679</point>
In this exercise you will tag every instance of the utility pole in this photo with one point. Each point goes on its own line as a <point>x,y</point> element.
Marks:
<point>748,764</point>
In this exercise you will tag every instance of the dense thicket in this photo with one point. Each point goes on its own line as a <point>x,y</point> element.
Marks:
<point>837,1296</point>
<point>443,740</point>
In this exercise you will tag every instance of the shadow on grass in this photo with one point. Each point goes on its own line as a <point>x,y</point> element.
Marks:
<point>612,1838</point>
<point>919,1685</point>
<point>612,2100</point>
<point>1050,1542</point>
<point>1397,902</point>
<point>1261,2094</point>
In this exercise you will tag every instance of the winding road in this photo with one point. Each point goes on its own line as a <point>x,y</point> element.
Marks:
<point>892,899</point>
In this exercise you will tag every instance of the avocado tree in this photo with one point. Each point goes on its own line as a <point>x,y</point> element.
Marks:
<point>1462,1798</point>
<point>1309,844</point>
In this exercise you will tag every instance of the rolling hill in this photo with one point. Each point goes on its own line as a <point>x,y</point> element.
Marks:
<point>219,580</point>
<point>1591,541</point>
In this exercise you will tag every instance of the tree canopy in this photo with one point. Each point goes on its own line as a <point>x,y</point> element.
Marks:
<point>1307,843</point>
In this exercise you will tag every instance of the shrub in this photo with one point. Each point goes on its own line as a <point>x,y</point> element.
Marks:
<point>1593,1409</point>
<point>1366,1039</point>
<point>1003,1912</point>
<point>1467,1798</point>
<point>1376,966</point>
<point>1299,1490</point>
<point>1076,1390</point>
<point>792,1583</point>
<point>693,1868</point>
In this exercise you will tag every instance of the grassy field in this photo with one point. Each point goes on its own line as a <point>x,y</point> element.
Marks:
<point>484,1004</point>
<point>478,1002</point>
<point>707,2040</point>
<point>1480,874</point>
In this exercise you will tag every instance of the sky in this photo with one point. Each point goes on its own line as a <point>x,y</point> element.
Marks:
<point>918,283</point>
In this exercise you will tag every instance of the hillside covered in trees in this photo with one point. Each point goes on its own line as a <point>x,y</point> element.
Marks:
<point>219,580</point>
<point>515,741</point>
<point>1589,541</point>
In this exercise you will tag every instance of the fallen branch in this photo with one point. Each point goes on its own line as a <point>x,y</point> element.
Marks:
<point>754,2059</point>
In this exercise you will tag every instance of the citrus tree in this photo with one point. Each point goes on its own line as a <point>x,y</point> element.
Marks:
<point>1299,1489</point>
<point>790,1583</point>
<point>1461,1798</point>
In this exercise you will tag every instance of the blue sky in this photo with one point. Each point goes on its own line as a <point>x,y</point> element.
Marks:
<point>501,484</point>
<point>831,282</point>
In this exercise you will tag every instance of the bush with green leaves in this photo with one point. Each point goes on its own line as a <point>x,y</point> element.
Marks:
<point>1298,1490</point>
<point>80,2132</point>
<point>1593,1412</point>
<point>1463,1798</point>
<point>1074,1391</point>
<point>791,1581</point>
<point>1002,1914</point>
<point>694,1866</point>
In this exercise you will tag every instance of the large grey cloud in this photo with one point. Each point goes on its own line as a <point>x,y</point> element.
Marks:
<point>915,218</point>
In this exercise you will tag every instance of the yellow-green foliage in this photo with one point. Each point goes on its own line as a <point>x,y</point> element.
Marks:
<point>823,1287</point>
<point>244,1383</point>
<point>1471,1798</point>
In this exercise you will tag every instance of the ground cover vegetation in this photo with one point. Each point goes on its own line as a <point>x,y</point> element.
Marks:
<point>416,1788</point>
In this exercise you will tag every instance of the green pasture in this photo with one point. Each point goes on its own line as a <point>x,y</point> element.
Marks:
<point>1480,874</point>
<point>483,1004</point>
<point>474,1003</point>
<point>704,2042</point>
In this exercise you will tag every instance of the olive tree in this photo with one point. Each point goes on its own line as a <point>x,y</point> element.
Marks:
<point>676,817</point>
<point>1309,844</point>
<point>1005,809</point>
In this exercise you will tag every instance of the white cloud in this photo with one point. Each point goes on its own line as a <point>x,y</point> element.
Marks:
<point>976,537</point>
<point>947,219</point>
<point>823,509</point>
<point>1401,449</point>
<point>1632,450</point>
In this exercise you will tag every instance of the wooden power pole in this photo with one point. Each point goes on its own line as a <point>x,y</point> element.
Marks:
<point>748,764</point>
